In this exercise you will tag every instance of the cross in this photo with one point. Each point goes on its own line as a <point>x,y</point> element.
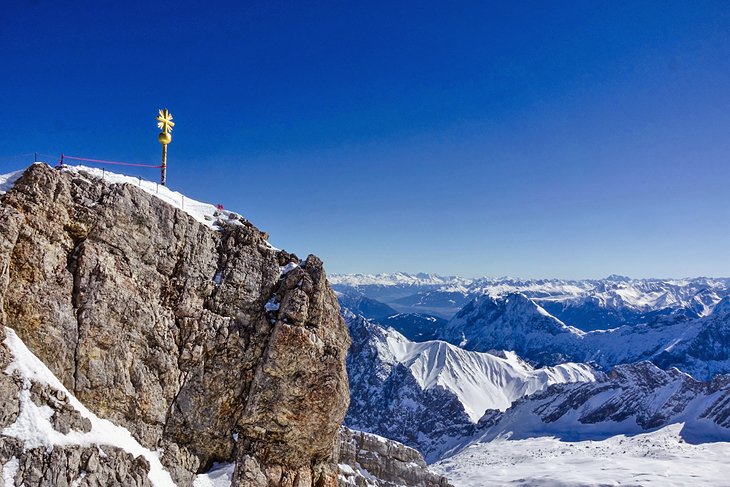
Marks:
<point>164,121</point>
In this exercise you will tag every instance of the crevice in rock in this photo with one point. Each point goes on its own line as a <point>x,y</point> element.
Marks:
<point>72,265</point>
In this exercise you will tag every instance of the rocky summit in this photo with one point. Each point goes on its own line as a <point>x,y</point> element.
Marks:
<point>202,340</point>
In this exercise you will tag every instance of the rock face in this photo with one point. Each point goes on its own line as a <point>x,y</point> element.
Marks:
<point>367,459</point>
<point>204,342</point>
<point>24,463</point>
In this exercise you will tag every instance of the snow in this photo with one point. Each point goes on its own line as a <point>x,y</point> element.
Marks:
<point>34,428</point>
<point>8,180</point>
<point>661,458</point>
<point>480,380</point>
<point>220,475</point>
<point>9,471</point>
<point>77,482</point>
<point>346,469</point>
<point>398,279</point>
<point>287,268</point>
<point>636,294</point>
<point>204,213</point>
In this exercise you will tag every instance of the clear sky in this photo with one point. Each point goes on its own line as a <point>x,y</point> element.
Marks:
<point>533,139</point>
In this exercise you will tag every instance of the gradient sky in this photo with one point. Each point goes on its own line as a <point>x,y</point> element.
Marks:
<point>533,139</point>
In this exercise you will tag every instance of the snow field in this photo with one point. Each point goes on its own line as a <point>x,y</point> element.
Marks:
<point>659,458</point>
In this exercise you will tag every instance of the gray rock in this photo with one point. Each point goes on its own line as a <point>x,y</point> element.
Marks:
<point>157,322</point>
<point>372,458</point>
<point>62,466</point>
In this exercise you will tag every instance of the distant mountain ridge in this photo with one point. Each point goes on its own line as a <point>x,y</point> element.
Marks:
<point>697,346</point>
<point>586,304</point>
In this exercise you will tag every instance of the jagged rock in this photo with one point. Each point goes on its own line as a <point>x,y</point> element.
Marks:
<point>158,323</point>
<point>9,403</point>
<point>429,394</point>
<point>71,465</point>
<point>366,459</point>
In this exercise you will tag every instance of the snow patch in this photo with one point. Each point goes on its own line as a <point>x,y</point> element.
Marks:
<point>9,471</point>
<point>287,268</point>
<point>34,428</point>
<point>220,475</point>
<point>8,180</point>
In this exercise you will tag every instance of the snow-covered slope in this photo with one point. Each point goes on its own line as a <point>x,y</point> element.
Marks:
<point>8,180</point>
<point>514,322</point>
<point>33,425</point>
<point>581,425</point>
<point>698,346</point>
<point>427,394</point>
<point>480,381</point>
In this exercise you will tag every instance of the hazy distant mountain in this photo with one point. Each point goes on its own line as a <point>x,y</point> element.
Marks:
<point>415,326</point>
<point>585,304</point>
<point>362,305</point>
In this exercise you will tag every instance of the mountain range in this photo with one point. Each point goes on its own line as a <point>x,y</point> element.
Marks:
<point>589,304</point>
<point>504,373</point>
<point>430,394</point>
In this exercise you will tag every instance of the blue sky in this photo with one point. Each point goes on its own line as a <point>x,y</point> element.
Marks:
<point>533,139</point>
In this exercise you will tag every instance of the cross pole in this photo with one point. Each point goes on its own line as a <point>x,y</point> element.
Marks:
<point>165,124</point>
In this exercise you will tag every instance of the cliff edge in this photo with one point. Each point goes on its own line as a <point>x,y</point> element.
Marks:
<point>201,339</point>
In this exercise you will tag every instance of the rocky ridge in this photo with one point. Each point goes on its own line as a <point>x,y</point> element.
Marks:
<point>205,343</point>
<point>631,399</point>
<point>366,459</point>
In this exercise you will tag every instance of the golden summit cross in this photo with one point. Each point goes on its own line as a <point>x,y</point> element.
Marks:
<point>165,124</point>
<point>164,121</point>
